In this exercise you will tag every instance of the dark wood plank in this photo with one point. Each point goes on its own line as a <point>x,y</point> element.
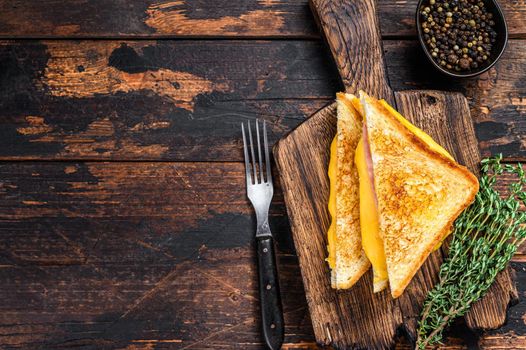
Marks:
<point>111,255</point>
<point>150,18</point>
<point>496,97</point>
<point>179,100</point>
<point>162,18</point>
<point>184,100</point>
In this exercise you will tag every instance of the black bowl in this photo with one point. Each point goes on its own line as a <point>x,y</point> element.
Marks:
<point>497,50</point>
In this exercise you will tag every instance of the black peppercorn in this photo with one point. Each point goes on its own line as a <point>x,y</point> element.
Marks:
<point>452,59</point>
<point>458,33</point>
<point>463,63</point>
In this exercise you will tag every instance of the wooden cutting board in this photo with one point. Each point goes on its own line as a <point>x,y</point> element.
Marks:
<point>358,318</point>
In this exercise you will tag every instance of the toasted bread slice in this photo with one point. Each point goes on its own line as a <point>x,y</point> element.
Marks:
<point>350,262</point>
<point>420,192</point>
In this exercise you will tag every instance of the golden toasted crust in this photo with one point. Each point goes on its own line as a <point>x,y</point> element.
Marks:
<point>420,193</point>
<point>351,262</point>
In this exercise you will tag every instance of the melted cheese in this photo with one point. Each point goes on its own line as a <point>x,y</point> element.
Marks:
<point>372,243</point>
<point>418,132</point>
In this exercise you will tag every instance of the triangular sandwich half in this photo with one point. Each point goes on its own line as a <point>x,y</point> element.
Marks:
<point>346,256</point>
<point>369,218</point>
<point>419,192</point>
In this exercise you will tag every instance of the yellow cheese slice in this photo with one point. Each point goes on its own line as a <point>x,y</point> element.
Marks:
<point>372,243</point>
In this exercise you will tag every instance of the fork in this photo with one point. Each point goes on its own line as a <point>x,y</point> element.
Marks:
<point>260,191</point>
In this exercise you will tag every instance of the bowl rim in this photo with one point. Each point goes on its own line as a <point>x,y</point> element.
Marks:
<point>453,74</point>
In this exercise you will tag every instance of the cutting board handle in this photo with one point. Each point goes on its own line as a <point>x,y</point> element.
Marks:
<point>352,32</point>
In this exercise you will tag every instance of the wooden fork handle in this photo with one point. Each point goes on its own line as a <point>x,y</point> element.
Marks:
<point>271,309</point>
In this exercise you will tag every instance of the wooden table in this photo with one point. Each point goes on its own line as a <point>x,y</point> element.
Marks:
<point>123,218</point>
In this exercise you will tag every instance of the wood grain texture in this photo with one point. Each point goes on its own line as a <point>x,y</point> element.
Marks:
<point>496,98</point>
<point>97,100</point>
<point>353,36</point>
<point>116,255</point>
<point>397,18</point>
<point>153,100</point>
<point>109,254</point>
<point>445,117</point>
<point>150,18</point>
<point>153,255</point>
<point>185,18</point>
<point>374,319</point>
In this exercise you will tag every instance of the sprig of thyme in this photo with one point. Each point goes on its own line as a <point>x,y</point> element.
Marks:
<point>485,237</point>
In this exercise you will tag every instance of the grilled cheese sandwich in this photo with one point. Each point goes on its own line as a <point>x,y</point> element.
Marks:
<point>403,203</point>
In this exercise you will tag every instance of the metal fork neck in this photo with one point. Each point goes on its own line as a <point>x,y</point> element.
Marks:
<point>263,229</point>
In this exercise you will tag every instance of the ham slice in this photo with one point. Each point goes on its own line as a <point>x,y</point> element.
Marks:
<point>369,161</point>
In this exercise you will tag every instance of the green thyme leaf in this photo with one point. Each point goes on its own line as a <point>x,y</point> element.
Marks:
<point>485,238</point>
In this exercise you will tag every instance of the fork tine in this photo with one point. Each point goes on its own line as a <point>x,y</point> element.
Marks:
<point>245,151</point>
<point>252,153</point>
<point>259,153</point>
<point>267,159</point>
